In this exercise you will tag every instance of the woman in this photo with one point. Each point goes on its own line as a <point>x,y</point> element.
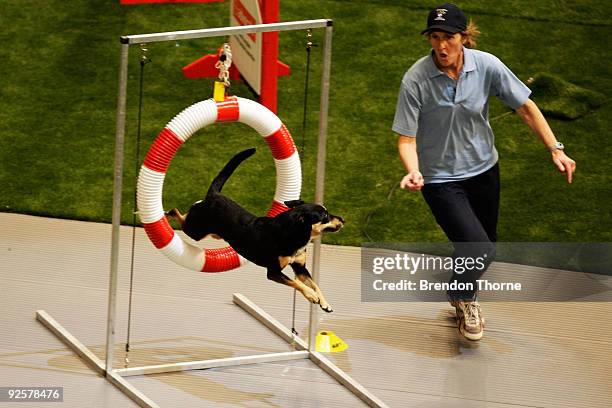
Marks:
<point>446,142</point>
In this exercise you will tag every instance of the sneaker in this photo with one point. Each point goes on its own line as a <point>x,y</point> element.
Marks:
<point>469,318</point>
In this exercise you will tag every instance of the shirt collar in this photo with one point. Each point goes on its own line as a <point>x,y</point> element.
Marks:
<point>468,60</point>
<point>468,63</point>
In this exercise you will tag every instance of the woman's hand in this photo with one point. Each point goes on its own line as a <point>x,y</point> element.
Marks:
<point>564,163</point>
<point>413,181</point>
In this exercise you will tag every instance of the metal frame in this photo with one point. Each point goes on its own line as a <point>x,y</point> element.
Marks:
<point>304,349</point>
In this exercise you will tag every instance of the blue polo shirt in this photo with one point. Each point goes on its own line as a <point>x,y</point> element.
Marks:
<point>450,119</point>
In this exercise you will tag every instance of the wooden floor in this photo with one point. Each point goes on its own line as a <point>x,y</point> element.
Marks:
<point>407,354</point>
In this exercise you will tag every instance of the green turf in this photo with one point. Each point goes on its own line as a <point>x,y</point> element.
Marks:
<point>560,99</point>
<point>58,87</point>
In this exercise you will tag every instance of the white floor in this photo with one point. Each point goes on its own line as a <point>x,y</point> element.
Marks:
<point>407,354</point>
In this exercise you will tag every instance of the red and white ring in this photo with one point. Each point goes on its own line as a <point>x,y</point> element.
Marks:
<point>153,171</point>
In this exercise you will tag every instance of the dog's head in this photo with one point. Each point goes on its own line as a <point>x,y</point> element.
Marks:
<point>314,215</point>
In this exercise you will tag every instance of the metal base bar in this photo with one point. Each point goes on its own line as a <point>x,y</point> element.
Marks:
<point>221,362</point>
<point>92,360</point>
<point>129,390</point>
<point>116,376</point>
<point>68,339</point>
<point>346,380</point>
<point>330,368</point>
<point>268,321</point>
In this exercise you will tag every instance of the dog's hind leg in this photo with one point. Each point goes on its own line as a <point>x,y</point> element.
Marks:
<point>275,274</point>
<point>176,214</point>
<point>304,276</point>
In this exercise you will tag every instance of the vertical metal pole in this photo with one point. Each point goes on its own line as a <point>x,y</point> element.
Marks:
<point>320,179</point>
<point>117,187</point>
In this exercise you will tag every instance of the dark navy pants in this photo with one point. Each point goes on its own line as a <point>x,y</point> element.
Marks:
<point>467,212</point>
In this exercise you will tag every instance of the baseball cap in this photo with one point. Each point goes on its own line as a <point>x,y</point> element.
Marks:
<point>447,17</point>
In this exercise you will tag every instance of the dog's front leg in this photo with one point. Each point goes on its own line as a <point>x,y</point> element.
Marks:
<point>304,276</point>
<point>276,274</point>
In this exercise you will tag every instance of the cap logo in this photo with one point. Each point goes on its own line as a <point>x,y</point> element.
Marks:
<point>441,12</point>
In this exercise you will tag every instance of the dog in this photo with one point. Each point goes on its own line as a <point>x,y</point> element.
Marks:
<point>270,242</point>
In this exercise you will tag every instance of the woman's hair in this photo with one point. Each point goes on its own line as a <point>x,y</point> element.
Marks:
<point>470,34</point>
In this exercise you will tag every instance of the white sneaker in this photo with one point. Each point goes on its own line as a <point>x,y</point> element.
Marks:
<point>470,320</point>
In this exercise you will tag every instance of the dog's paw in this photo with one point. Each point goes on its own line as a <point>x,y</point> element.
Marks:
<point>310,295</point>
<point>326,308</point>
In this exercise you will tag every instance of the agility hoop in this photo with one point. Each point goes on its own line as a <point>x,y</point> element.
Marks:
<point>160,154</point>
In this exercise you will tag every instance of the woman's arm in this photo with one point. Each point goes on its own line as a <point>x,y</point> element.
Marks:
<point>532,116</point>
<point>406,145</point>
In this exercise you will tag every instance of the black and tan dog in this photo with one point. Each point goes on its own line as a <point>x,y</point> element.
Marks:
<point>272,243</point>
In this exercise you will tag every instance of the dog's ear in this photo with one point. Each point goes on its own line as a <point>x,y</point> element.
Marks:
<point>293,203</point>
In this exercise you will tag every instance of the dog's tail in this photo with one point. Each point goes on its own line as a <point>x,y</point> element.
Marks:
<point>227,171</point>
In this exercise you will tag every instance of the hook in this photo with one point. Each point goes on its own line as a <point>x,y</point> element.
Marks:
<point>144,51</point>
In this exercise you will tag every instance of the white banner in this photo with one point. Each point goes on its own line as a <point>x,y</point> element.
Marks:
<point>247,48</point>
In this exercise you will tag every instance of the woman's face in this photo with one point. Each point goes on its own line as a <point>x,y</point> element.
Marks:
<point>447,48</point>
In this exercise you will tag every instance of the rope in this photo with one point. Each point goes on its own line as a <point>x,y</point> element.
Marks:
<point>143,61</point>
<point>309,46</point>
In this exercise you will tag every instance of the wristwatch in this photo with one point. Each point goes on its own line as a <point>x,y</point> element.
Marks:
<point>557,146</point>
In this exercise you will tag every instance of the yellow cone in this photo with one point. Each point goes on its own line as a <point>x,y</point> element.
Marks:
<point>328,342</point>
